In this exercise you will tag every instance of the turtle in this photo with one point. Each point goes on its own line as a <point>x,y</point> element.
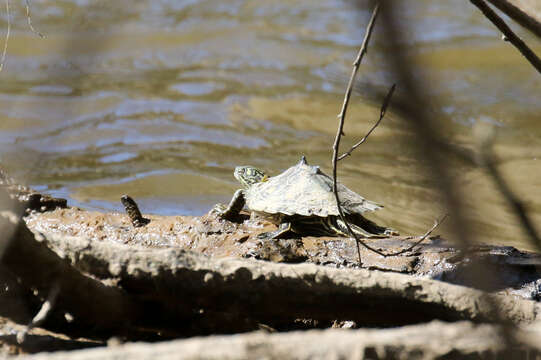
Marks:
<point>301,200</point>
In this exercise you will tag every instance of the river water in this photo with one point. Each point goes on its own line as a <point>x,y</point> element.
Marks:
<point>162,99</point>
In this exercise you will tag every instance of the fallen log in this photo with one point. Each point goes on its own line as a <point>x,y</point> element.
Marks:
<point>277,294</point>
<point>428,341</point>
<point>434,258</point>
<point>175,292</point>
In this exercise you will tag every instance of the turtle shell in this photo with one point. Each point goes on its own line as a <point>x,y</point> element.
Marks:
<point>304,190</point>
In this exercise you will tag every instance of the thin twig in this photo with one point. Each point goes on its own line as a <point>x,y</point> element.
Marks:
<point>384,106</point>
<point>509,34</point>
<point>29,19</point>
<point>518,11</point>
<point>340,131</point>
<point>422,238</point>
<point>5,51</point>
<point>339,134</point>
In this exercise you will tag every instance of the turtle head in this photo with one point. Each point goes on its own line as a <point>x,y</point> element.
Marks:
<point>249,175</point>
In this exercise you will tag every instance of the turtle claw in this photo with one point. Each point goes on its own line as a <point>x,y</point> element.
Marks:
<point>283,229</point>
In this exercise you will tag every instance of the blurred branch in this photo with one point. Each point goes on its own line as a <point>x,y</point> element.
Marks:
<point>416,113</point>
<point>429,140</point>
<point>486,160</point>
<point>521,13</point>
<point>383,110</point>
<point>509,34</point>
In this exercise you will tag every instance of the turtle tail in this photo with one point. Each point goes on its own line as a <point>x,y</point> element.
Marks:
<point>361,226</point>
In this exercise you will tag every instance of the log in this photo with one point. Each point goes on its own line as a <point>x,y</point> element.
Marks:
<point>170,292</point>
<point>277,294</point>
<point>511,270</point>
<point>428,341</point>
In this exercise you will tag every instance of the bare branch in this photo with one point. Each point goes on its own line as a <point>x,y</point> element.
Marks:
<point>422,238</point>
<point>509,34</point>
<point>340,131</point>
<point>339,134</point>
<point>522,12</point>
<point>383,110</point>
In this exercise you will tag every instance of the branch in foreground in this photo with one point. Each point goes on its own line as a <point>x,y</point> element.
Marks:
<point>340,132</point>
<point>429,140</point>
<point>523,12</point>
<point>509,34</point>
<point>487,161</point>
<point>383,110</point>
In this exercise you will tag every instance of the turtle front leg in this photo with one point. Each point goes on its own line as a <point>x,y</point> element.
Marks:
<point>233,209</point>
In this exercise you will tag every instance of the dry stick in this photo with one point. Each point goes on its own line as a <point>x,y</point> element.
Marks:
<point>422,238</point>
<point>29,19</point>
<point>384,106</point>
<point>5,51</point>
<point>509,34</point>
<point>339,134</point>
<point>340,130</point>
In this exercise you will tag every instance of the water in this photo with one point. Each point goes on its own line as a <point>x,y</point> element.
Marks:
<point>162,99</point>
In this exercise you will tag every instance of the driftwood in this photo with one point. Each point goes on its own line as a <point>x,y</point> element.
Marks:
<point>435,340</point>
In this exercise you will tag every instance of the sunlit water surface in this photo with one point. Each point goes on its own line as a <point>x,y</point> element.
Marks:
<point>162,99</point>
